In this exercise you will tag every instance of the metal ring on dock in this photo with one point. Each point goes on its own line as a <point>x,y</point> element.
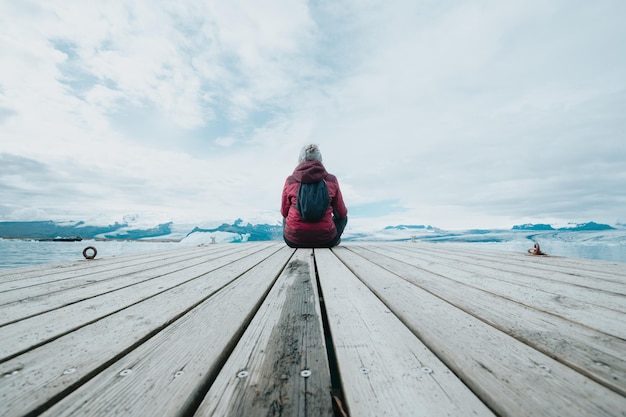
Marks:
<point>88,248</point>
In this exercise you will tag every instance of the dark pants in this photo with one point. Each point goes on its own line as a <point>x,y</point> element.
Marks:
<point>340,224</point>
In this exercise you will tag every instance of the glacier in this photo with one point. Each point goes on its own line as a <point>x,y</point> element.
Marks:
<point>585,240</point>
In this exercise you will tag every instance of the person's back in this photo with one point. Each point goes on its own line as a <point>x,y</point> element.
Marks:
<point>323,233</point>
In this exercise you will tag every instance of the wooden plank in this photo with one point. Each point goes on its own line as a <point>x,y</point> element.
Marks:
<point>28,333</point>
<point>38,378</point>
<point>385,370</point>
<point>579,289</point>
<point>50,296</point>
<point>598,317</point>
<point>263,376</point>
<point>169,374</point>
<point>75,264</point>
<point>582,273</point>
<point>39,272</point>
<point>79,262</point>
<point>597,355</point>
<point>87,272</point>
<point>511,377</point>
<point>100,339</point>
<point>574,267</point>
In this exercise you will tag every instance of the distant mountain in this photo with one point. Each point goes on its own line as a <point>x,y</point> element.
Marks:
<point>574,227</point>
<point>248,232</point>
<point>159,228</point>
<point>587,226</point>
<point>52,230</point>
<point>533,227</point>
<point>419,227</point>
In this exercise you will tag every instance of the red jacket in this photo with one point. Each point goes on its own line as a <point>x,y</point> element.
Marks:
<point>307,233</point>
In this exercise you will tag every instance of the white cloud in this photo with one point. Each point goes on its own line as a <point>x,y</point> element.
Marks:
<point>464,113</point>
<point>225,142</point>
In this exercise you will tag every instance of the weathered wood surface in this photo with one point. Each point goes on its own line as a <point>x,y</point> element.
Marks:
<point>385,369</point>
<point>281,359</point>
<point>368,329</point>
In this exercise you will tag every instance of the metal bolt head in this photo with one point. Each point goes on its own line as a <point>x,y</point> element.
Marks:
<point>427,370</point>
<point>305,373</point>
<point>242,374</point>
<point>69,371</point>
<point>126,372</point>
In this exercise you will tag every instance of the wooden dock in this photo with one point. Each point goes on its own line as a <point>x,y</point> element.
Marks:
<point>367,329</point>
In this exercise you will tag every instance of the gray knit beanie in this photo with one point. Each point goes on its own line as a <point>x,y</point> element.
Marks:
<point>310,153</point>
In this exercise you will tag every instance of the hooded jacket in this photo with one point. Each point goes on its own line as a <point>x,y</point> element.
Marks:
<point>311,234</point>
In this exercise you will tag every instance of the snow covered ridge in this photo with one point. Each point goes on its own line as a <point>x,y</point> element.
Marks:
<point>573,227</point>
<point>131,229</point>
<point>51,230</point>
<point>237,232</point>
<point>135,228</point>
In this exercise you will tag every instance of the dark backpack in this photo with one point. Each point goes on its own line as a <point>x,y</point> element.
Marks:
<point>313,200</point>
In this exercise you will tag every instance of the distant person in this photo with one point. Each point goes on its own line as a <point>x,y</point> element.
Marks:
<point>312,205</point>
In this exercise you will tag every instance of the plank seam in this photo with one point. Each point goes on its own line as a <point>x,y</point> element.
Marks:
<point>193,404</point>
<point>337,392</point>
<point>189,411</point>
<point>495,325</point>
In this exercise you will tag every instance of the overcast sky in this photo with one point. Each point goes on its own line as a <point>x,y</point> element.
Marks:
<point>458,114</point>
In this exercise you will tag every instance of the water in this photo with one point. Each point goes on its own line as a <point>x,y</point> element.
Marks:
<point>22,253</point>
<point>589,245</point>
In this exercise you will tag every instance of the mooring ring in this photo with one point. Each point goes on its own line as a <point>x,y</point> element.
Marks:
<point>88,248</point>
